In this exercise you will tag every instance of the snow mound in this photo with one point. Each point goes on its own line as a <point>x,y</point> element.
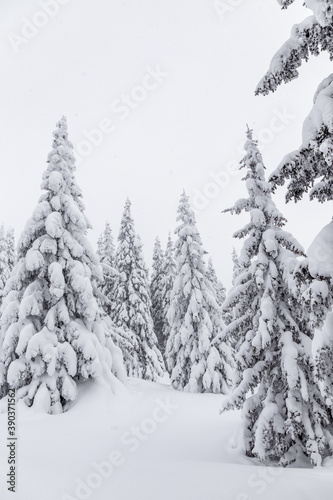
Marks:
<point>320,253</point>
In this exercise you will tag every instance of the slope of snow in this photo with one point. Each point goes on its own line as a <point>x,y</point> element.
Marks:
<point>163,445</point>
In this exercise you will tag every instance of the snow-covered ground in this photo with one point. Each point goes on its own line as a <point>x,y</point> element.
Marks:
<point>148,443</point>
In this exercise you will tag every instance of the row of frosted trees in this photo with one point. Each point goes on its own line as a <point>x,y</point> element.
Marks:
<point>69,314</point>
<point>172,318</point>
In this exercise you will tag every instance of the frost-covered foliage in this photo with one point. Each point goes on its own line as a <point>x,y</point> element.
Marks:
<point>52,331</point>
<point>107,256</point>
<point>132,304</point>
<point>314,280</point>
<point>4,264</point>
<point>194,315</point>
<point>236,267</point>
<point>286,413</point>
<point>314,276</point>
<point>285,3</point>
<point>106,249</point>
<point>310,37</point>
<point>310,167</point>
<point>217,284</point>
<point>156,289</point>
<point>219,289</point>
<point>169,273</point>
<point>323,342</point>
<point>228,311</point>
<point>11,252</point>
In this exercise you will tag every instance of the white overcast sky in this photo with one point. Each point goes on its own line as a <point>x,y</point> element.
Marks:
<point>89,55</point>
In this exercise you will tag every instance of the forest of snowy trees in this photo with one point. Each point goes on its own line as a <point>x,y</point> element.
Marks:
<point>71,313</point>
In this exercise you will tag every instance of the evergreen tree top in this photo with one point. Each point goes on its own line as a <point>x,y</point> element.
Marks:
<point>263,211</point>
<point>259,201</point>
<point>234,257</point>
<point>187,231</point>
<point>157,248</point>
<point>158,259</point>
<point>106,248</point>
<point>127,223</point>
<point>217,284</point>
<point>185,212</point>
<point>61,159</point>
<point>61,154</point>
<point>210,269</point>
<point>61,204</point>
<point>170,245</point>
<point>108,231</point>
<point>169,264</point>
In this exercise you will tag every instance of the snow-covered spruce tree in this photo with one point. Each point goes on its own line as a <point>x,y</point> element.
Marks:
<point>106,249</point>
<point>132,305</point>
<point>156,284</point>
<point>232,310</point>
<point>285,414</point>
<point>11,252</point>
<point>105,292</point>
<point>4,266</point>
<point>313,278</point>
<point>107,256</point>
<point>309,169</point>
<point>219,289</point>
<point>313,161</point>
<point>228,311</point>
<point>236,268</point>
<point>194,315</point>
<point>220,292</point>
<point>142,320</point>
<point>169,273</point>
<point>324,361</point>
<point>52,332</point>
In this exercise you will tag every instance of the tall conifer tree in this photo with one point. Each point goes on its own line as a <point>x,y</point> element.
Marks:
<point>53,335</point>
<point>132,305</point>
<point>169,273</point>
<point>194,315</point>
<point>285,413</point>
